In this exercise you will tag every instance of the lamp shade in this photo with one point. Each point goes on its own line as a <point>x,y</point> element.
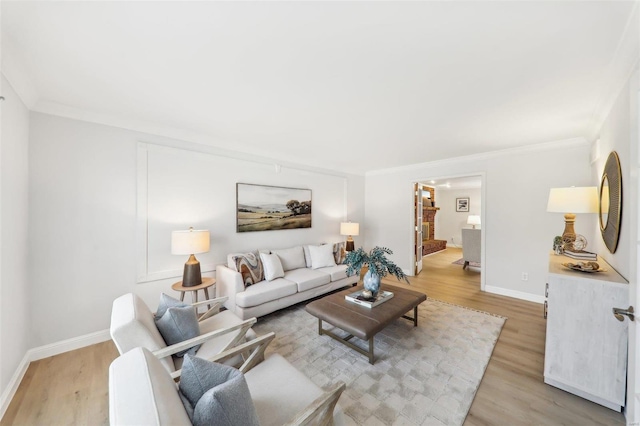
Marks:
<point>349,228</point>
<point>473,220</point>
<point>190,242</point>
<point>583,199</point>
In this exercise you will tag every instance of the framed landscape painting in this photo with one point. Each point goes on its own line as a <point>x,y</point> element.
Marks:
<point>269,208</point>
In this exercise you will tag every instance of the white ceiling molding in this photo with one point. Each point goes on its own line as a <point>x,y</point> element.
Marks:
<point>16,75</point>
<point>176,138</point>
<point>547,146</point>
<point>623,64</point>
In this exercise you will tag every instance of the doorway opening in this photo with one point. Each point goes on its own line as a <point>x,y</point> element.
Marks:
<point>446,214</point>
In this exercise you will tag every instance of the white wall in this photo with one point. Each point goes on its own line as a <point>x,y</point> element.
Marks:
<point>180,188</point>
<point>616,135</point>
<point>620,133</point>
<point>84,197</point>
<point>14,282</point>
<point>449,222</point>
<point>519,232</point>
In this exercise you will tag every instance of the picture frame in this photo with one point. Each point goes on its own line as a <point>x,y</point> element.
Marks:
<point>462,204</point>
<point>271,208</point>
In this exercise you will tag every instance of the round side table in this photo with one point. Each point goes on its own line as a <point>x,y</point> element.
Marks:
<point>206,283</point>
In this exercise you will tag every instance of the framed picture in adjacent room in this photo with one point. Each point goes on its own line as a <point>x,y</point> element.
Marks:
<point>269,208</point>
<point>462,204</point>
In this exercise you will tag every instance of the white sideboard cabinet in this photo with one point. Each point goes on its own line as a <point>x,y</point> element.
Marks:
<point>586,346</point>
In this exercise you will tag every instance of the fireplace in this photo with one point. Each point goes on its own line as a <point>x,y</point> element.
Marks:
<point>429,243</point>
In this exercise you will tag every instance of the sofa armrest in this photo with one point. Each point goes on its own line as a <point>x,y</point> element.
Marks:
<point>228,284</point>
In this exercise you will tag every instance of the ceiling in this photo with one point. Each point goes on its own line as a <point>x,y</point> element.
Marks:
<point>345,86</point>
<point>457,183</point>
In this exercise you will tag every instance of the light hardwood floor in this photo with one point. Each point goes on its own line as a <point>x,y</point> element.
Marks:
<point>71,388</point>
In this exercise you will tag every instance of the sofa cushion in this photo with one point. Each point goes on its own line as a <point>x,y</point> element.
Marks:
<point>292,258</point>
<point>307,278</point>
<point>179,323</point>
<point>321,256</point>
<point>340,252</point>
<point>265,291</point>
<point>217,393</point>
<point>337,272</point>
<point>272,266</point>
<point>307,255</point>
<point>250,267</point>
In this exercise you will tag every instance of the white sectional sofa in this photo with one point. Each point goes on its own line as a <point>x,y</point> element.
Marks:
<point>306,273</point>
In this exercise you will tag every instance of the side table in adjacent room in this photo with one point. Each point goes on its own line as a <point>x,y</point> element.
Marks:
<point>206,283</point>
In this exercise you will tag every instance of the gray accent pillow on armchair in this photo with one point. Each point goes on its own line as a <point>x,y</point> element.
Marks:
<point>215,394</point>
<point>176,321</point>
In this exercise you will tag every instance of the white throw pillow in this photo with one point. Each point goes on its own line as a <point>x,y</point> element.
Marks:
<point>322,256</point>
<point>272,266</point>
<point>292,258</point>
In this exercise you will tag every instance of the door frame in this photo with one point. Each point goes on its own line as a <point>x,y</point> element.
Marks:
<point>483,207</point>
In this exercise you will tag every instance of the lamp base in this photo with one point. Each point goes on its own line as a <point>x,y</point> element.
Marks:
<point>569,233</point>
<point>350,246</point>
<point>191,276</point>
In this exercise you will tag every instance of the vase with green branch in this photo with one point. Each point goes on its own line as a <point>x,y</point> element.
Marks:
<point>379,266</point>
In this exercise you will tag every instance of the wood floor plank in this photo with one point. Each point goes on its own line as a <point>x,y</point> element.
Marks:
<point>72,388</point>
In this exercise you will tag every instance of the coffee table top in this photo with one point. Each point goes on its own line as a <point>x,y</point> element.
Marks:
<point>361,321</point>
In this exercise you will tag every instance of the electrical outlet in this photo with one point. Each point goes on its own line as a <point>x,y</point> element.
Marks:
<point>525,276</point>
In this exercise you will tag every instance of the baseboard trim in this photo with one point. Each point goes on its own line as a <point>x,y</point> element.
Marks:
<point>45,352</point>
<point>68,345</point>
<point>12,387</point>
<point>514,293</point>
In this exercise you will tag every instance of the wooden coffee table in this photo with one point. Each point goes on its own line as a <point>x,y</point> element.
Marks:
<point>360,321</point>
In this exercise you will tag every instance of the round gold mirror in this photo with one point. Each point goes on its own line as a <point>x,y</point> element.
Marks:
<point>604,201</point>
<point>611,202</point>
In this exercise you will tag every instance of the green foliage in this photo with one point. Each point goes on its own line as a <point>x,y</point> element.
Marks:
<point>298,208</point>
<point>377,262</point>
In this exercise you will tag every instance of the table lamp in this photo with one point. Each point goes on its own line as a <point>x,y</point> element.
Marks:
<point>571,201</point>
<point>349,229</point>
<point>190,242</point>
<point>473,220</point>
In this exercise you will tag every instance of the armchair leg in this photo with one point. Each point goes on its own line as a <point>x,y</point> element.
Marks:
<point>466,263</point>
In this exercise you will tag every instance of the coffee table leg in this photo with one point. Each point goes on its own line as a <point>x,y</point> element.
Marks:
<point>415,316</point>
<point>371,351</point>
<point>319,326</point>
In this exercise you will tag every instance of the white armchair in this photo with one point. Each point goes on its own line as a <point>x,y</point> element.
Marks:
<point>142,392</point>
<point>133,325</point>
<point>471,246</point>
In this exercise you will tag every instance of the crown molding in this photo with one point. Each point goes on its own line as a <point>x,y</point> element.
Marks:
<point>16,75</point>
<point>546,146</point>
<point>176,138</point>
<point>623,64</point>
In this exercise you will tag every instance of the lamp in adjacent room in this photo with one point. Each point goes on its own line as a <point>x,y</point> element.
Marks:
<point>349,229</point>
<point>190,242</point>
<point>570,201</point>
<point>473,220</point>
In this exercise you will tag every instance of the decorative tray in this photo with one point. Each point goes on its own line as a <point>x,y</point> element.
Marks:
<point>584,267</point>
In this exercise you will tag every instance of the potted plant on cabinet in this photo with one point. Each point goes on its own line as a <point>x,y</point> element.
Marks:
<point>378,264</point>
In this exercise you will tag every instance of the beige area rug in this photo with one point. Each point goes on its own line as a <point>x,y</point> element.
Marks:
<point>427,375</point>
<point>461,262</point>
